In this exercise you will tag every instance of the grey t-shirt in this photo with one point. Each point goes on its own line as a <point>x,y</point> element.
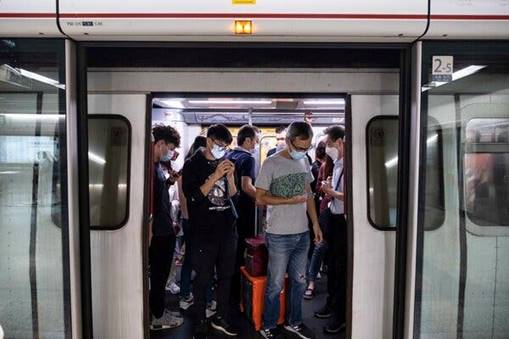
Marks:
<point>286,178</point>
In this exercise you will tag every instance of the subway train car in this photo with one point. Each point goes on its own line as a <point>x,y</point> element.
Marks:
<point>421,86</point>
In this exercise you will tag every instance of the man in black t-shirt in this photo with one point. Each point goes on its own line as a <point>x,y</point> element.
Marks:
<point>162,242</point>
<point>242,157</point>
<point>208,182</point>
<point>280,140</point>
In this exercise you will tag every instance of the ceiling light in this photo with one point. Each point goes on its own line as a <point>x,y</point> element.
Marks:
<point>40,78</point>
<point>31,117</point>
<point>324,102</point>
<point>230,102</point>
<point>464,72</point>
<point>172,103</point>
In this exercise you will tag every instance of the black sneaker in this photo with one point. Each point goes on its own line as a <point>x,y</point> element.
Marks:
<point>201,331</point>
<point>273,333</point>
<point>334,326</point>
<point>301,330</point>
<point>324,313</point>
<point>222,325</point>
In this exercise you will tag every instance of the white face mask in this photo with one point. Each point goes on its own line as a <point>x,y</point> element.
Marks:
<point>218,152</point>
<point>332,152</point>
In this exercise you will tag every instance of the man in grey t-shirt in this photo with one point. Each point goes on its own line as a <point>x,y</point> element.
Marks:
<point>283,185</point>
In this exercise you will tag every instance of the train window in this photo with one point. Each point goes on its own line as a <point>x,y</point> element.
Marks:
<point>109,142</point>
<point>382,159</point>
<point>486,171</point>
<point>434,194</point>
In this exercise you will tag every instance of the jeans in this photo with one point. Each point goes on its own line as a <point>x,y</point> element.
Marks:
<point>316,260</point>
<point>287,252</point>
<point>187,266</point>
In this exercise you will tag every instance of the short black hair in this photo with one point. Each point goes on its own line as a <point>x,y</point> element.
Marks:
<point>167,133</point>
<point>335,132</point>
<point>199,141</point>
<point>280,129</point>
<point>220,132</point>
<point>246,131</point>
<point>320,150</point>
<point>299,129</point>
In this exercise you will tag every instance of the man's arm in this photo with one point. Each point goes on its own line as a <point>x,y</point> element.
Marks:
<point>264,197</point>
<point>248,187</point>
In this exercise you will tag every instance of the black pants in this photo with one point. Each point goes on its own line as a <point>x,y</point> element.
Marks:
<point>217,250</point>
<point>160,259</point>
<point>336,237</point>
<point>245,229</point>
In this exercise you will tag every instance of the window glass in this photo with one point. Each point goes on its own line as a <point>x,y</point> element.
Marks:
<point>486,171</point>
<point>109,148</point>
<point>34,278</point>
<point>382,152</point>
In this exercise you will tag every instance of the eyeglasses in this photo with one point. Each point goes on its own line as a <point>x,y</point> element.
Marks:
<point>221,147</point>
<point>300,148</point>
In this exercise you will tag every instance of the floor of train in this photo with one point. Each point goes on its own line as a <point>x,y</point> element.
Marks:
<point>246,329</point>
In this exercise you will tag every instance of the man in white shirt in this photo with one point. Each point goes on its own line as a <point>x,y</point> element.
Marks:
<point>333,223</point>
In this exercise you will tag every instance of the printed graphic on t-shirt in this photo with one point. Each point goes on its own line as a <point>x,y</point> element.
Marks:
<point>289,185</point>
<point>217,195</point>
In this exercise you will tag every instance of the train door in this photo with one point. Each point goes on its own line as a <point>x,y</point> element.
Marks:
<point>116,140</point>
<point>374,160</point>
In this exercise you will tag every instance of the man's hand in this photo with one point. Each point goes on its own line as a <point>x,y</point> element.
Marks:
<point>224,167</point>
<point>318,233</point>
<point>298,199</point>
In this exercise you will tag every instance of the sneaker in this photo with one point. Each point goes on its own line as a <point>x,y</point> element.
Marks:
<point>273,333</point>
<point>301,330</point>
<point>186,302</point>
<point>334,326</point>
<point>324,313</point>
<point>211,309</point>
<point>201,331</point>
<point>167,321</point>
<point>222,325</point>
<point>173,288</point>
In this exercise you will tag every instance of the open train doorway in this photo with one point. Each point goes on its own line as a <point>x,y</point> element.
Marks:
<point>270,116</point>
<point>119,106</point>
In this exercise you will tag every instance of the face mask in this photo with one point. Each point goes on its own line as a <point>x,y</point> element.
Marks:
<point>168,156</point>
<point>332,152</point>
<point>296,155</point>
<point>218,152</point>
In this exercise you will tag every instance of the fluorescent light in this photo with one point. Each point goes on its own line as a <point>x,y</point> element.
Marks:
<point>95,158</point>
<point>432,139</point>
<point>391,163</point>
<point>464,72</point>
<point>172,103</point>
<point>29,117</point>
<point>40,78</point>
<point>230,102</point>
<point>9,172</point>
<point>319,102</point>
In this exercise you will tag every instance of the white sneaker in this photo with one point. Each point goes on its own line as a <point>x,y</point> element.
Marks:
<point>186,302</point>
<point>173,288</point>
<point>211,309</point>
<point>167,321</point>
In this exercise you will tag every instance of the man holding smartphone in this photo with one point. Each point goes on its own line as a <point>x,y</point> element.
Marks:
<point>208,183</point>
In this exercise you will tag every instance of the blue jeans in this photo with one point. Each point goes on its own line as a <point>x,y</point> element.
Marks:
<point>187,265</point>
<point>316,260</point>
<point>287,252</point>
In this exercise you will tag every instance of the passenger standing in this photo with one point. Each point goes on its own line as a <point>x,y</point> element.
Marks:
<point>245,175</point>
<point>280,140</point>
<point>208,182</point>
<point>162,243</point>
<point>333,222</point>
<point>283,185</point>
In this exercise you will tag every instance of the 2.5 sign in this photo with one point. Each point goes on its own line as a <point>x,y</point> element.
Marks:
<point>442,68</point>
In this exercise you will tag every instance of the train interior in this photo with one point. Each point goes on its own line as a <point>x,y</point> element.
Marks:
<point>190,116</point>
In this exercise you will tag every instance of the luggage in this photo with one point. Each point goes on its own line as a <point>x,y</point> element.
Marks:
<point>257,256</point>
<point>253,295</point>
